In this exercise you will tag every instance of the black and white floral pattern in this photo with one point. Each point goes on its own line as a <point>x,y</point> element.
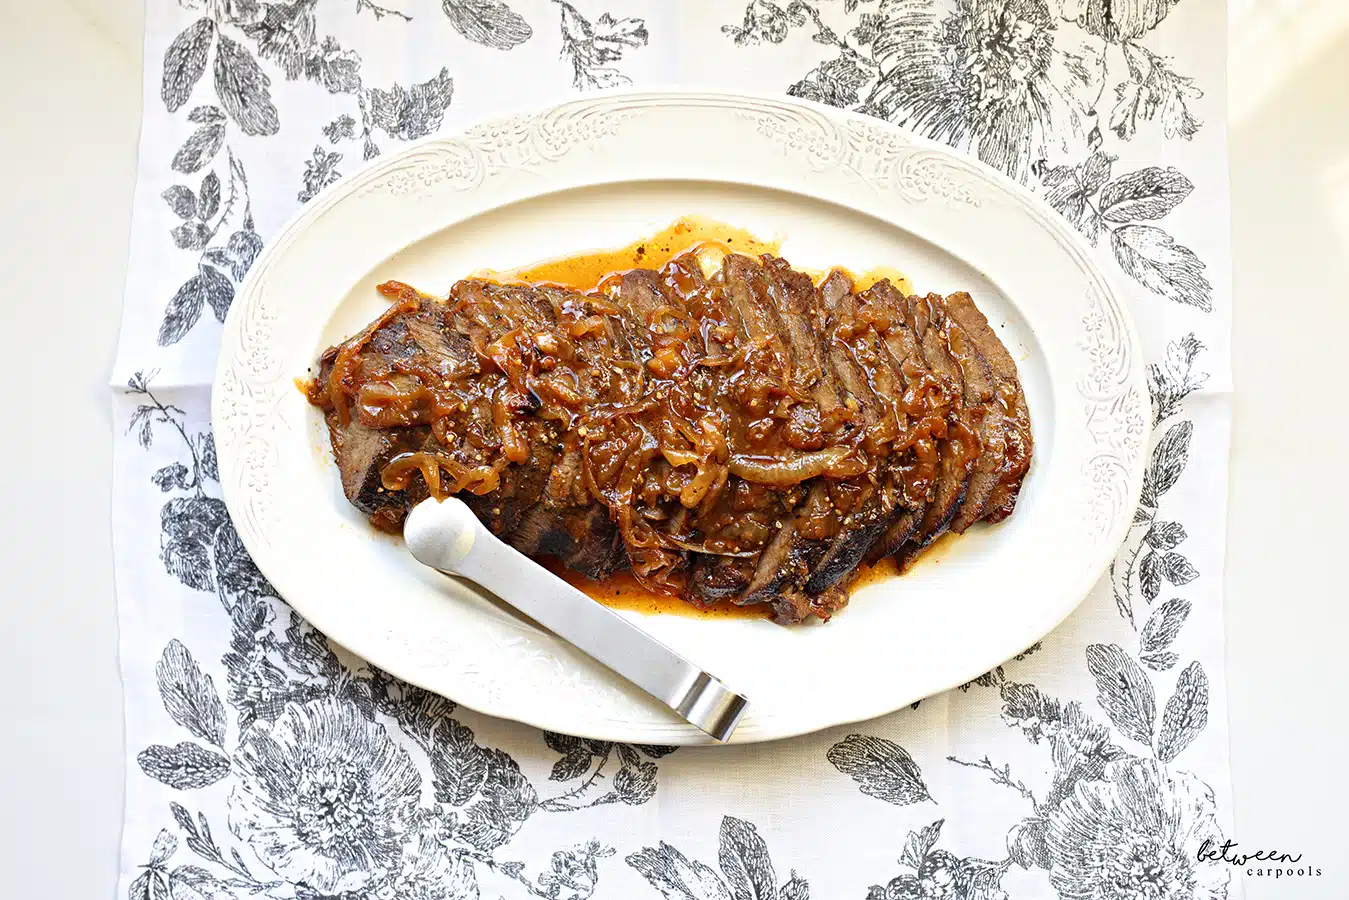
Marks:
<point>1021,85</point>
<point>248,45</point>
<point>270,763</point>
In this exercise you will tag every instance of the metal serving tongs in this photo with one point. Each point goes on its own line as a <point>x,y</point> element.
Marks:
<point>445,535</point>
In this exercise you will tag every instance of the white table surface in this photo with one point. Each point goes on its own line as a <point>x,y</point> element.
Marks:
<point>69,123</point>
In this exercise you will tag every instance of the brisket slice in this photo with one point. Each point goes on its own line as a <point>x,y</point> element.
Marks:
<point>979,395</point>
<point>902,344</point>
<point>1012,404</point>
<point>776,305</point>
<point>881,502</point>
<point>952,473</point>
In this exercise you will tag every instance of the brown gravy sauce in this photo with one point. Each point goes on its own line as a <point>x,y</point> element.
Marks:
<point>584,272</point>
<point>622,591</point>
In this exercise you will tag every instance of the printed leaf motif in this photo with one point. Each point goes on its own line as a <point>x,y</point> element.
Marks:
<point>1026,844</point>
<point>919,843</point>
<point>1186,713</point>
<point>1152,258</point>
<point>237,256</point>
<point>207,456</point>
<point>1123,20</point>
<point>189,525</point>
<point>744,861</point>
<point>184,766</point>
<point>1123,691</point>
<point>244,89</point>
<point>1070,188</point>
<point>562,743</point>
<point>199,149</point>
<point>181,200</point>
<point>193,882</point>
<point>1168,461</point>
<point>656,751</point>
<point>487,22</point>
<point>1152,88</point>
<point>636,784</point>
<point>794,888</point>
<point>882,768</point>
<point>506,800</point>
<point>165,844</point>
<point>836,82</point>
<point>1160,662</point>
<point>409,114</point>
<point>210,196</point>
<point>458,764</point>
<point>1146,194</point>
<point>183,311</point>
<point>190,236</point>
<point>206,115</point>
<point>1025,706</point>
<point>1150,576</point>
<point>184,819</point>
<point>235,572</point>
<point>1163,626</point>
<point>140,887</point>
<point>1164,535</point>
<point>1177,569</point>
<point>189,694</point>
<point>1170,383</point>
<point>219,291</point>
<point>573,765</point>
<point>676,876</point>
<point>184,62</point>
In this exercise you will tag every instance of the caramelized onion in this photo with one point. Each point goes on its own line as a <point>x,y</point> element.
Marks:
<point>513,445</point>
<point>397,473</point>
<point>349,353</point>
<point>789,470</point>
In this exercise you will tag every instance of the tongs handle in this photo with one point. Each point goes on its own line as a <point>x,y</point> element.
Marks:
<point>445,535</point>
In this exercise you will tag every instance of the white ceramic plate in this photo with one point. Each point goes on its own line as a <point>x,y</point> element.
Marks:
<point>601,171</point>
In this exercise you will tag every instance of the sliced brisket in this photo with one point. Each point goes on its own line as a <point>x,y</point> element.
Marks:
<point>659,423</point>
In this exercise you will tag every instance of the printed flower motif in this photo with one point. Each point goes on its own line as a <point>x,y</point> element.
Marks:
<point>336,69</point>
<point>284,35</point>
<point>319,172</point>
<point>574,873</point>
<point>411,113</point>
<point>593,46</point>
<point>1000,77</point>
<point>323,796</point>
<point>1135,833</point>
<point>428,872</point>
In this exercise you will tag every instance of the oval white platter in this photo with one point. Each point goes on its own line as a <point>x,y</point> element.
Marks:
<point>601,171</point>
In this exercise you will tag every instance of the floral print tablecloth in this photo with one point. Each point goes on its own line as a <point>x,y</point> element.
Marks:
<point>265,762</point>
